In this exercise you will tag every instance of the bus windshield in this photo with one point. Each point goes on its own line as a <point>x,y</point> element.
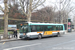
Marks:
<point>24,29</point>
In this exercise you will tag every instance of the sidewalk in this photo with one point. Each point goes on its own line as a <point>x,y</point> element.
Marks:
<point>10,38</point>
<point>7,40</point>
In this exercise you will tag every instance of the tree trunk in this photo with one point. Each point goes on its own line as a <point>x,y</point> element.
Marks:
<point>30,10</point>
<point>5,20</point>
<point>5,25</point>
<point>29,18</point>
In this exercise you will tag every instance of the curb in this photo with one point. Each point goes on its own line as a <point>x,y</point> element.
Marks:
<point>8,40</point>
<point>70,33</point>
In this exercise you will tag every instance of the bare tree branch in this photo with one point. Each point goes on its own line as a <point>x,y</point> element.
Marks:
<point>37,5</point>
<point>27,7</point>
<point>23,8</point>
<point>1,9</point>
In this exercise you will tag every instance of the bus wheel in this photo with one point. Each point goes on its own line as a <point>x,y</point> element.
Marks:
<point>58,35</point>
<point>39,36</point>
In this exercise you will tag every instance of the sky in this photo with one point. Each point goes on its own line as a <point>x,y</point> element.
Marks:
<point>47,3</point>
<point>52,3</point>
<point>55,3</point>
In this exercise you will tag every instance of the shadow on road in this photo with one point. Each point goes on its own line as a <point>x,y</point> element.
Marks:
<point>43,38</point>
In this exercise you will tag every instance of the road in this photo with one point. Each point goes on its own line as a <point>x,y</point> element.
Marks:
<point>65,42</point>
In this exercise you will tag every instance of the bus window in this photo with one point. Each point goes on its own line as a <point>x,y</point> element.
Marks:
<point>33,28</point>
<point>49,28</point>
<point>61,27</point>
<point>42,29</point>
<point>39,28</point>
<point>45,28</point>
<point>24,29</point>
<point>57,28</point>
<point>54,28</point>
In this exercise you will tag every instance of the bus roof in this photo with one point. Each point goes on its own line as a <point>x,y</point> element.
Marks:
<point>31,23</point>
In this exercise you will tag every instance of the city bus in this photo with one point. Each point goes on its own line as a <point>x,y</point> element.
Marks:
<point>39,30</point>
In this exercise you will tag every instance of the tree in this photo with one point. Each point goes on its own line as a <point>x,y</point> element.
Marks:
<point>56,16</point>
<point>5,18</point>
<point>12,2</point>
<point>14,12</point>
<point>68,8</point>
<point>46,14</point>
<point>28,6</point>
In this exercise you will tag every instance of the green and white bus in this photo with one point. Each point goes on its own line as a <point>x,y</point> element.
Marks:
<point>39,30</point>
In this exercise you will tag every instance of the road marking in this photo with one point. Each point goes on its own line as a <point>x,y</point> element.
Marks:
<point>4,43</point>
<point>22,46</point>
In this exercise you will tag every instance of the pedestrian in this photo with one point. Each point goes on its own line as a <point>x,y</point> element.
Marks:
<point>15,33</point>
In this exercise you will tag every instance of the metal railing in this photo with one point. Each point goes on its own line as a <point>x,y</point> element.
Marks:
<point>10,36</point>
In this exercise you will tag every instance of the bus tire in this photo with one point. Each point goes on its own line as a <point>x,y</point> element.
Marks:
<point>39,36</point>
<point>58,35</point>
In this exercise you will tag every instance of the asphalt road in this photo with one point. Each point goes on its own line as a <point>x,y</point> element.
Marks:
<point>65,42</point>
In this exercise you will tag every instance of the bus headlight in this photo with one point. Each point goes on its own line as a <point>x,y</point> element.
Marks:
<point>28,35</point>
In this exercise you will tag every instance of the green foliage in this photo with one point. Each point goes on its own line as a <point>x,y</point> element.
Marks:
<point>1,30</point>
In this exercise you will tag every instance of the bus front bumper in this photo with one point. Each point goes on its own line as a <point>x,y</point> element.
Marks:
<point>23,36</point>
